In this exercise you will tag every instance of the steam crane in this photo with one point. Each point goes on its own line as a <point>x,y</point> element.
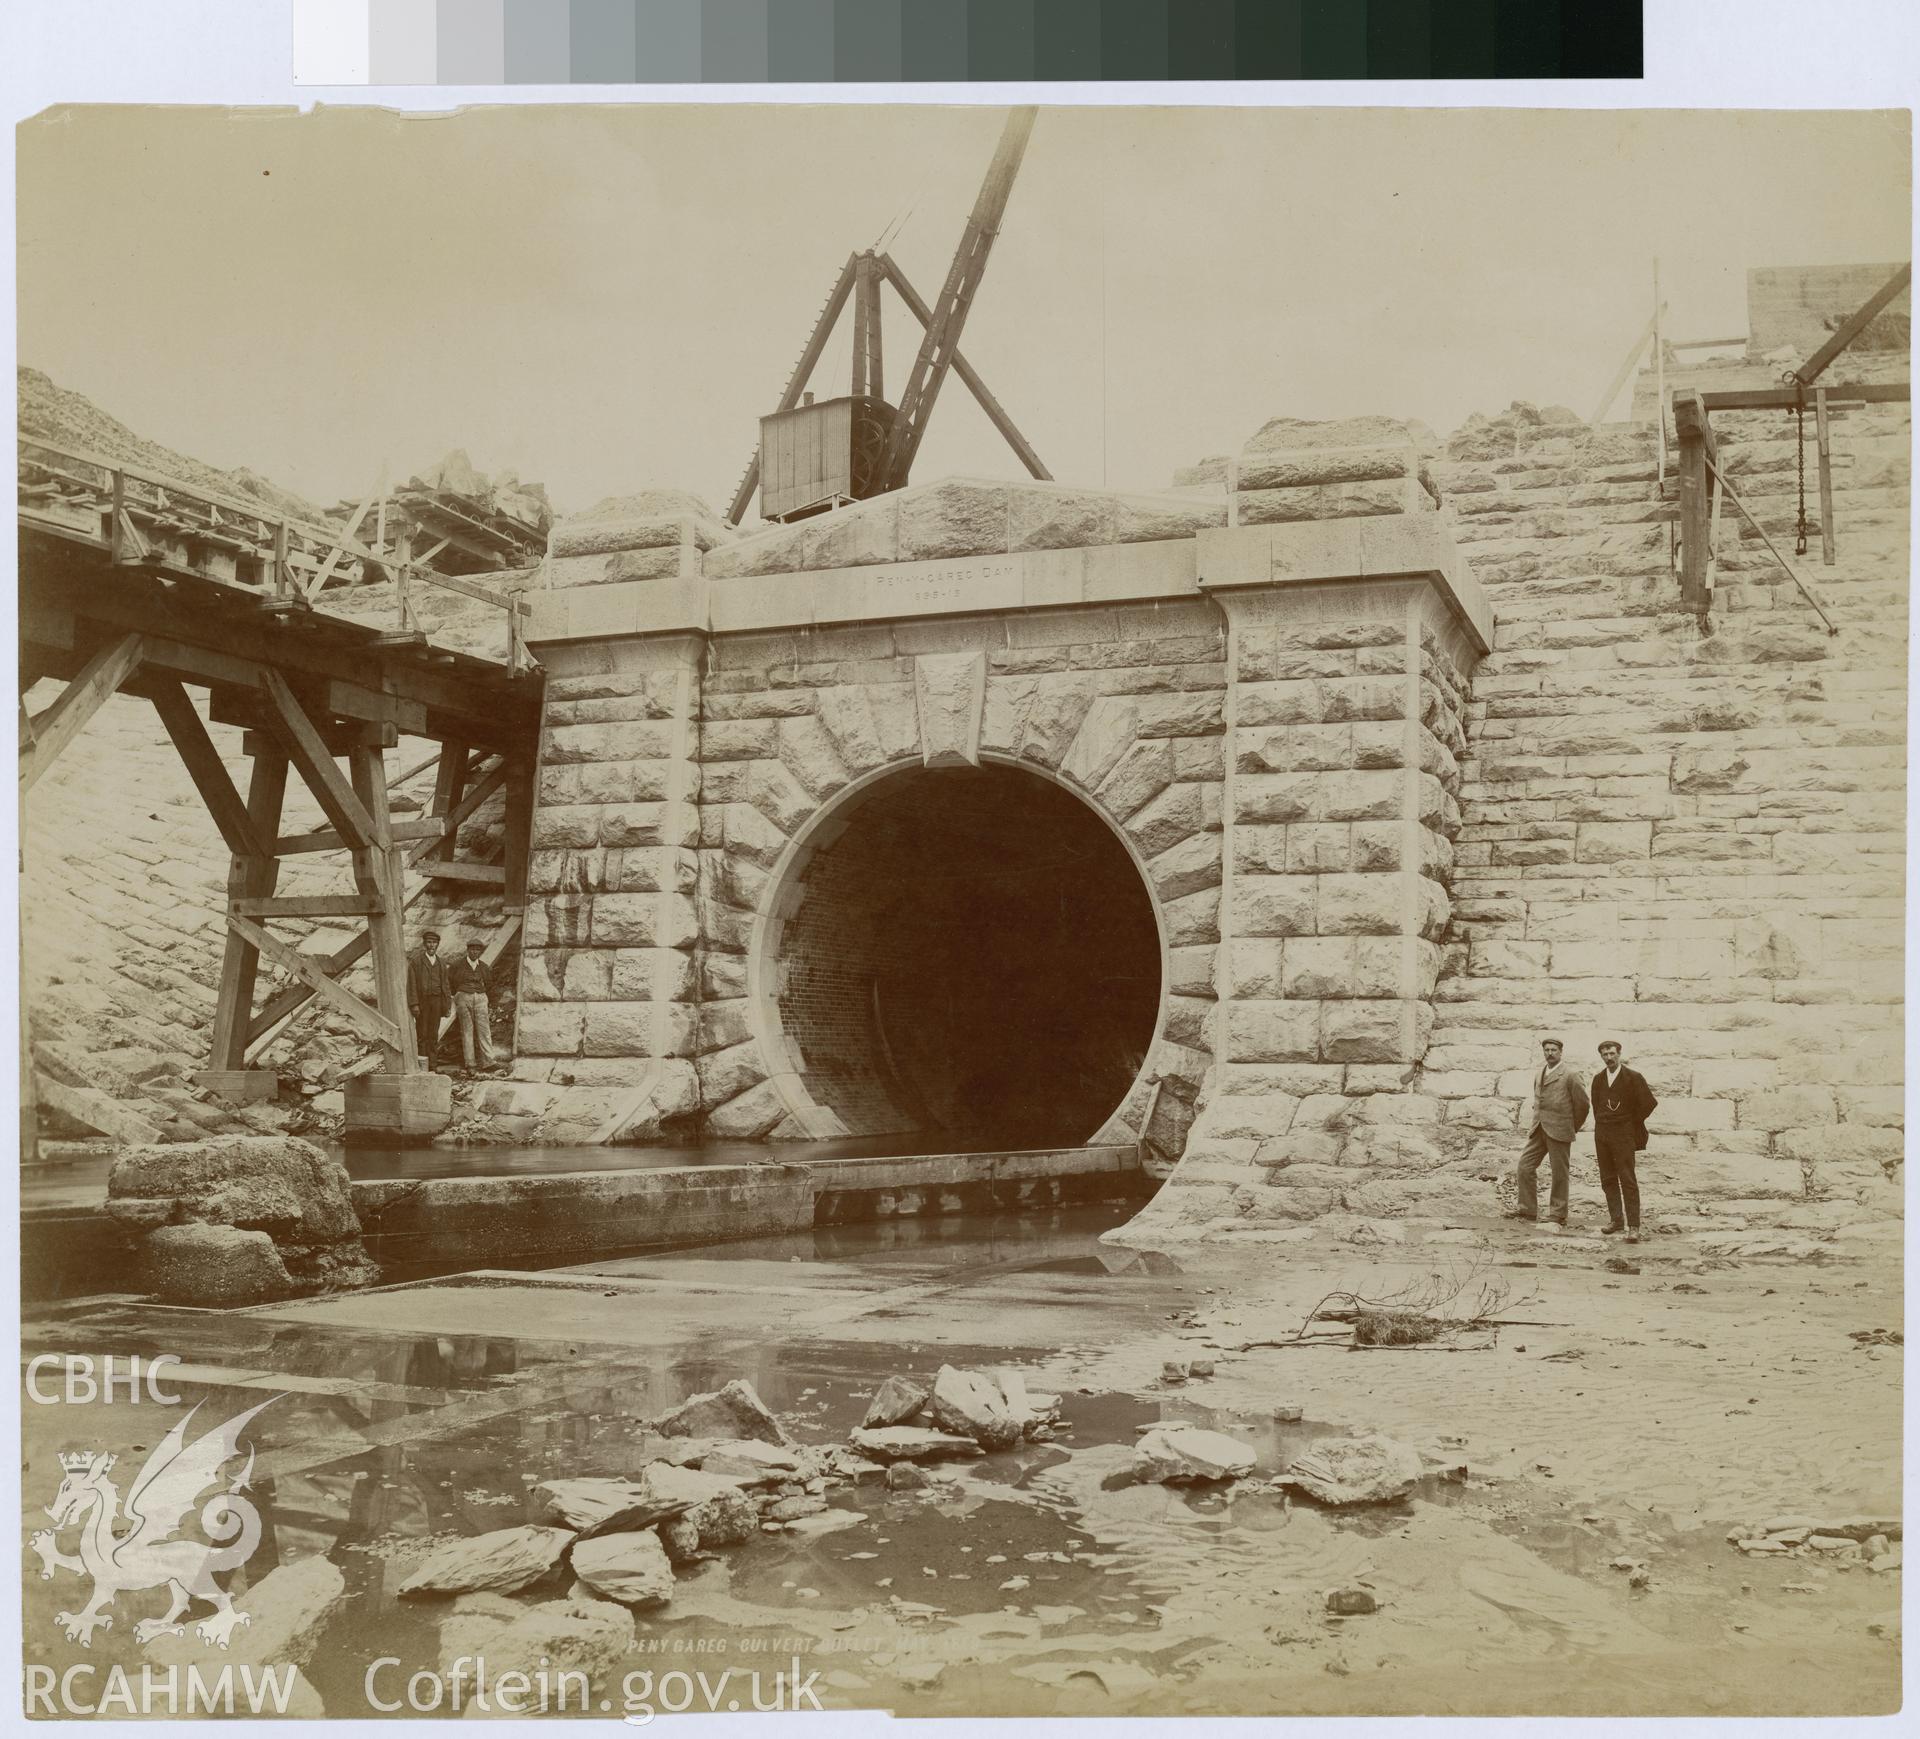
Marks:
<point>816,456</point>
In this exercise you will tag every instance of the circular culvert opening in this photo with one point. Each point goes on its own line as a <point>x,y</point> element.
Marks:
<point>969,951</point>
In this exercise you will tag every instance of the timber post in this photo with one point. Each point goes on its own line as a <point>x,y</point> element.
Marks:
<point>251,875</point>
<point>1696,455</point>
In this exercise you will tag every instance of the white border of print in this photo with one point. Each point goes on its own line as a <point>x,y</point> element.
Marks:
<point>1785,54</point>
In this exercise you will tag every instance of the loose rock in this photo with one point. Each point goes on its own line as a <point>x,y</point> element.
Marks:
<point>212,1265</point>
<point>972,1404</point>
<point>728,1518</point>
<point>1356,1470</point>
<point>1187,1455</point>
<point>498,1562</point>
<point>896,1402</point>
<point>681,1538</point>
<point>912,1443</point>
<point>1351,1602</point>
<point>603,1506</point>
<point>632,1568</point>
<point>734,1411</point>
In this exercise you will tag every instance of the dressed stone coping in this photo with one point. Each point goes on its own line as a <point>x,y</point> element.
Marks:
<point>1389,546</point>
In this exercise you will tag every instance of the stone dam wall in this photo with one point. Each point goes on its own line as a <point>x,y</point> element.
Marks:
<point>1382,865</point>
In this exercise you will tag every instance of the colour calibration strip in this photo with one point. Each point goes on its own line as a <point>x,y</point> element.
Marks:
<point>601,42</point>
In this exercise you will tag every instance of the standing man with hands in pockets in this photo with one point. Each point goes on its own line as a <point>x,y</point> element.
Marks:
<point>1559,1110</point>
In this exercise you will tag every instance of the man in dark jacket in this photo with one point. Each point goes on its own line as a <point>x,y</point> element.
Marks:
<point>427,994</point>
<point>1622,1103</point>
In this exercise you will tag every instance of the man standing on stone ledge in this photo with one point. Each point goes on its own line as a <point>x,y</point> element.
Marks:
<point>1622,1103</point>
<point>468,981</point>
<point>427,994</point>
<point>1559,1110</point>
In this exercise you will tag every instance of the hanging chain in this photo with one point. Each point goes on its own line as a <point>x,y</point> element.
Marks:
<point>1800,459</point>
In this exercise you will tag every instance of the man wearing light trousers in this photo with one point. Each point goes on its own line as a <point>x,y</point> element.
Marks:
<point>1559,1110</point>
<point>468,981</point>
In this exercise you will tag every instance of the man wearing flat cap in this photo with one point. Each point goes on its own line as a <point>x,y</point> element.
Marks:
<point>427,994</point>
<point>1559,1109</point>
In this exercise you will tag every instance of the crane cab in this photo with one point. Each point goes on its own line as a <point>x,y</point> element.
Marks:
<point>817,456</point>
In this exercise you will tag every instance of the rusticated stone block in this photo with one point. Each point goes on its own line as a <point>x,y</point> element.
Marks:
<point>630,740</point>
<point>1188,867</point>
<point>550,1029</point>
<point>1360,905</point>
<point>1355,1031</point>
<point>1273,1031</point>
<point>1274,905</point>
<point>956,518</point>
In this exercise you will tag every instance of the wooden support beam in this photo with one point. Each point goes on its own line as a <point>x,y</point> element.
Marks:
<point>248,877</point>
<point>379,870</point>
<point>876,358</point>
<point>96,684</point>
<point>1696,455</point>
<point>284,1004</point>
<point>209,773</point>
<point>1856,323</point>
<point>352,701</point>
<point>862,307</point>
<point>307,906</point>
<point>458,815</point>
<point>1898,392</point>
<point>518,840</point>
<point>318,768</point>
<point>64,599</point>
<point>449,785</point>
<point>1826,475</point>
<point>370,1023</point>
<point>968,375</point>
<point>492,873</point>
<point>404,832</point>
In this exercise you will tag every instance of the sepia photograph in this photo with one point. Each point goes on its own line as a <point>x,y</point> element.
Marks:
<point>974,909</point>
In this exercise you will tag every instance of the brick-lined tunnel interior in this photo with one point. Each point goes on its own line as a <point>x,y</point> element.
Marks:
<point>974,954</point>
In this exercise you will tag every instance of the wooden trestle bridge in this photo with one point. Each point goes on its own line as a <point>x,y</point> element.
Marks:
<point>312,642</point>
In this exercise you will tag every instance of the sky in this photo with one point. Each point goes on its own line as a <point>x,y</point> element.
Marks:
<point>605,298</point>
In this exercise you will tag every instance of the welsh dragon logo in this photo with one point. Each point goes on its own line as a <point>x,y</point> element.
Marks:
<point>149,1554</point>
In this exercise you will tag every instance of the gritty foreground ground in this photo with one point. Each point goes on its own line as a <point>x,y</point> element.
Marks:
<point>1632,1418</point>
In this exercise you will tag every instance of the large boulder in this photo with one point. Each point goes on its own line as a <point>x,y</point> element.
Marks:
<point>1356,1470</point>
<point>1188,1455</point>
<point>212,1265</point>
<point>911,1443</point>
<point>497,1562</point>
<point>299,1197</point>
<point>633,1569</point>
<point>728,1518</point>
<point>603,1506</point>
<point>575,1634</point>
<point>973,1404</point>
<point>896,1402</point>
<point>286,1611</point>
<point>735,1411</point>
